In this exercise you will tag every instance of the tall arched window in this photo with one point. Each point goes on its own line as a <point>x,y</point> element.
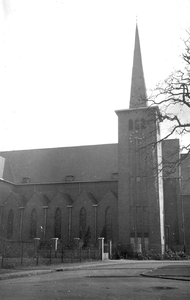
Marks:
<point>108,223</point>
<point>57,226</point>
<point>142,123</point>
<point>130,124</point>
<point>10,224</point>
<point>33,224</point>
<point>136,124</point>
<point>82,223</point>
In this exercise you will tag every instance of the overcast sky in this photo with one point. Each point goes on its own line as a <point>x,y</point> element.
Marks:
<point>65,66</point>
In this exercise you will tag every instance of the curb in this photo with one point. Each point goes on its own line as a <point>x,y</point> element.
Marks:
<point>28,273</point>
<point>166,277</point>
<point>25,274</point>
<point>182,278</point>
<point>41,272</point>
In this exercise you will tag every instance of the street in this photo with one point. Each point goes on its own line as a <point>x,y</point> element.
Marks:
<point>116,281</point>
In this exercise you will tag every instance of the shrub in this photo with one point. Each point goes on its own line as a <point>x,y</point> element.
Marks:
<point>168,255</point>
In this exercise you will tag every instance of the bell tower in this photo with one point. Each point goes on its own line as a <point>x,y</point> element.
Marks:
<point>140,185</point>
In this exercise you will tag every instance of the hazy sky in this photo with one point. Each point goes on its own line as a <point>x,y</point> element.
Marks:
<point>65,66</point>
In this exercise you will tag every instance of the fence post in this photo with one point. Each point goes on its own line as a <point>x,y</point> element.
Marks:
<point>21,262</point>
<point>110,248</point>
<point>55,240</point>
<point>72,255</point>
<point>62,251</point>
<point>50,254</point>
<point>37,243</point>
<point>101,247</point>
<point>77,248</point>
<point>80,254</point>
<point>3,250</point>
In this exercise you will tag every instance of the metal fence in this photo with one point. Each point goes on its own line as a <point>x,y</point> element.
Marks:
<point>19,253</point>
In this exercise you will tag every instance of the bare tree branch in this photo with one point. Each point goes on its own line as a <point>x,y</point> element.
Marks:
<point>173,98</point>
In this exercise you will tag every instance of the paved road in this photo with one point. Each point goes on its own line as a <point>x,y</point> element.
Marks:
<point>110,282</point>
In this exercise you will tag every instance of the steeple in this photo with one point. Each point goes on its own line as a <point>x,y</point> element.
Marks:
<point>138,90</point>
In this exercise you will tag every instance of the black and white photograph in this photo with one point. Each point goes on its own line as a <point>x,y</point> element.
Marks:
<point>95,149</point>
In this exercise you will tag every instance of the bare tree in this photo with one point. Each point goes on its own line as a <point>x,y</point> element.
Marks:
<point>173,98</point>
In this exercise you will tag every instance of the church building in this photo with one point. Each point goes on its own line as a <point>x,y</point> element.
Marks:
<point>123,192</point>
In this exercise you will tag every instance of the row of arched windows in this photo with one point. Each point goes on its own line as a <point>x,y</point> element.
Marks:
<point>33,224</point>
<point>57,223</point>
<point>137,124</point>
<point>83,230</point>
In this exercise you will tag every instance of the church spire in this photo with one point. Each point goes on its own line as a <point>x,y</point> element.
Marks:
<point>138,89</point>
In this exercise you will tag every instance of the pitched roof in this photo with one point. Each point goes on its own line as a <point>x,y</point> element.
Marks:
<point>83,163</point>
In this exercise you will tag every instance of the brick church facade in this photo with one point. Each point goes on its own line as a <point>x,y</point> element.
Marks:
<point>121,192</point>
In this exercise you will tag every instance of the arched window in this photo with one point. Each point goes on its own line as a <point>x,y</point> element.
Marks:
<point>130,124</point>
<point>57,226</point>
<point>108,223</point>
<point>33,224</point>
<point>136,124</point>
<point>10,224</point>
<point>142,123</point>
<point>82,223</point>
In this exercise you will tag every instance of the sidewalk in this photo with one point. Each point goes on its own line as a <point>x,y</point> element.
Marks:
<point>39,270</point>
<point>179,270</point>
<point>174,272</point>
